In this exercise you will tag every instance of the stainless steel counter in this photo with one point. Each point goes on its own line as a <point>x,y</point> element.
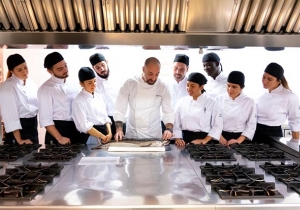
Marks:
<point>161,180</point>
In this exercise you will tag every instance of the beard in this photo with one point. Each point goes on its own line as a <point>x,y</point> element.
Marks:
<point>105,76</point>
<point>61,76</point>
<point>151,82</point>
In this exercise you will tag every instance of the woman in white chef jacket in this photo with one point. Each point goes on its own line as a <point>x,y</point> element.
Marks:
<point>19,104</point>
<point>198,117</point>
<point>238,111</point>
<point>89,111</point>
<point>275,106</point>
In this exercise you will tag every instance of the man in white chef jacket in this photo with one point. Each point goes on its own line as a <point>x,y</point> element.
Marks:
<point>145,95</point>
<point>217,81</point>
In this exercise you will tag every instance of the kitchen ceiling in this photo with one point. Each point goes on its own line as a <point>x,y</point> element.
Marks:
<point>233,23</point>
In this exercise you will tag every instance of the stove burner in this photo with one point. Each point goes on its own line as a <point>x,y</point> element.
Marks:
<point>210,152</point>
<point>14,152</point>
<point>209,169</point>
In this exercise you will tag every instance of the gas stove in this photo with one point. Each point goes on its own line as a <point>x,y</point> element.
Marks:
<point>25,182</point>
<point>210,152</point>
<point>57,152</point>
<point>14,152</point>
<point>238,182</point>
<point>289,174</point>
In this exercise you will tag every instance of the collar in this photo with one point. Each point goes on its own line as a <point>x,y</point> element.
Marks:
<point>219,78</point>
<point>57,80</point>
<point>100,78</point>
<point>277,90</point>
<point>181,82</point>
<point>239,98</point>
<point>18,81</point>
<point>198,99</point>
<point>87,94</point>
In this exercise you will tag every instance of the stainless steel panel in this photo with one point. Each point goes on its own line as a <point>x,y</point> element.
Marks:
<point>50,14</point>
<point>252,14</point>
<point>152,14</point>
<point>40,15</point>
<point>244,10</point>
<point>162,14</point>
<point>31,18</point>
<point>121,14</point>
<point>172,14</point>
<point>293,18</point>
<point>234,14</point>
<point>142,6</point>
<point>81,14</point>
<point>23,14</point>
<point>69,14</point>
<point>60,14</point>
<point>11,13</point>
<point>265,7</point>
<point>4,19</point>
<point>98,14</point>
<point>131,14</point>
<point>275,15</point>
<point>89,14</point>
<point>283,14</point>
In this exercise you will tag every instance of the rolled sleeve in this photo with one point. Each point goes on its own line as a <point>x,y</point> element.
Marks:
<point>80,117</point>
<point>251,122</point>
<point>122,103</point>
<point>294,113</point>
<point>216,122</point>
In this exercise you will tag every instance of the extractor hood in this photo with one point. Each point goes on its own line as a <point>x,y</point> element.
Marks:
<point>234,23</point>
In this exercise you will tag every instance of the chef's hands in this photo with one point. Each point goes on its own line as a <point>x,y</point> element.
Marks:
<point>107,138</point>
<point>25,141</point>
<point>119,136</point>
<point>64,140</point>
<point>200,141</point>
<point>223,141</point>
<point>180,142</point>
<point>167,135</point>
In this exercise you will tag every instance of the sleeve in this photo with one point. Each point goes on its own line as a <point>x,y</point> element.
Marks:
<point>216,121</point>
<point>45,102</point>
<point>177,128</point>
<point>294,113</point>
<point>9,109</point>
<point>122,103</point>
<point>167,109</point>
<point>79,115</point>
<point>251,121</point>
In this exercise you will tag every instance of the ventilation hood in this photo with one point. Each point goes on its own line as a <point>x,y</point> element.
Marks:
<point>233,23</point>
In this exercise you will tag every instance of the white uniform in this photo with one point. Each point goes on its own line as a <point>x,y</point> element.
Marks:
<point>239,115</point>
<point>215,87</point>
<point>17,101</point>
<point>273,108</point>
<point>144,101</point>
<point>201,115</point>
<point>177,89</point>
<point>55,100</point>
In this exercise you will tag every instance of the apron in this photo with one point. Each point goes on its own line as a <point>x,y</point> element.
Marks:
<point>66,129</point>
<point>93,140</point>
<point>28,131</point>
<point>112,127</point>
<point>189,136</point>
<point>231,135</point>
<point>263,133</point>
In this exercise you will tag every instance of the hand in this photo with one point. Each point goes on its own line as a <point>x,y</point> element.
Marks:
<point>167,135</point>
<point>223,141</point>
<point>26,141</point>
<point>64,140</point>
<point>119,136</point>
<point>108,138</point>
<point>180,142</point>
<point>199,141</point>
<point>233,141</point>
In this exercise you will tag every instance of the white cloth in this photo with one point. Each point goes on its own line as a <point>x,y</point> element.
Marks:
<point>144,101</point>
<point>239,115</point>
<point>17,101</point>
<point>88,110</point>
<point>55,100</point>
<point>108,92</point>
<point>215,87</point>
<point>203,114</point>
<point>177,89</point>
<point>274,108</point>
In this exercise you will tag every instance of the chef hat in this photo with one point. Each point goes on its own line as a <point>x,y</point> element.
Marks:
<point>236,77</point>
<point>96,58</point>
<point>197,78</point>
<point>14,60</point>
<point>210,57</point>
<point>52,59</point>
<point>275,70</point>
<point>182,59</point>
<point>86,73</point>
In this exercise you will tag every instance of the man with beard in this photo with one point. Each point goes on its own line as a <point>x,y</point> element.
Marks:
<point>104,87</point>
<point>55,98</point>
<point>145,94</point>
<point>217,82</point>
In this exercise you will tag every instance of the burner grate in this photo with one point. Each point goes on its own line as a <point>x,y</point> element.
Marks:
<point>14,152</point>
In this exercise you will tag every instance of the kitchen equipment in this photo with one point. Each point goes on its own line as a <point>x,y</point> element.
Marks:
<point>14,152</point>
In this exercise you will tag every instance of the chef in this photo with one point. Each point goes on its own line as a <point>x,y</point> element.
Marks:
<point>275,106</point>
<point>217,81</point>
<point>89,111</point>
<point>55,101</point>
<point>19,104</point>
<point>198,117</point>
<point>145,95</point>
<point>104,86</point>
<point>238,111</point>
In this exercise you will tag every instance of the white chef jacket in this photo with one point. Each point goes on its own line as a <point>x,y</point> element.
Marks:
<point>201,115</point>
<point>88,110</point>
<point>273,108</point>
<point>239,115</point>
<point>107,91</point>
<point>17,101</point>
<point>177,89</point>
<point>215,87</point>
<point>144,120</point>
<point>55,100</point>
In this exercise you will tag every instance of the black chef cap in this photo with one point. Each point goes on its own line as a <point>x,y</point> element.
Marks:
<point>210,57</point>
<point>86,73</point>
<point>96,58</point>
<point>275,70</point>
<point>182,59</point>
<point>14,60</point>
<point>52,59</point>
<point>236,77</point>
<point>197,78</point>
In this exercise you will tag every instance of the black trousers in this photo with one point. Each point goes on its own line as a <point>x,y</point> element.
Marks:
<point>28,131</point>
<point>230,135</point>
<point>100,128</point>
<point>189,136</point>
<point>66,129</point>
<point>113,126</point>
<point>263,133</point>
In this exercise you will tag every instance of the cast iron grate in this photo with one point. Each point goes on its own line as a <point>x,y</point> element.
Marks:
<point>14,152</point>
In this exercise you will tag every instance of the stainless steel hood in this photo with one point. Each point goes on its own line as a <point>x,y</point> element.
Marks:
<point>234,23</point>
